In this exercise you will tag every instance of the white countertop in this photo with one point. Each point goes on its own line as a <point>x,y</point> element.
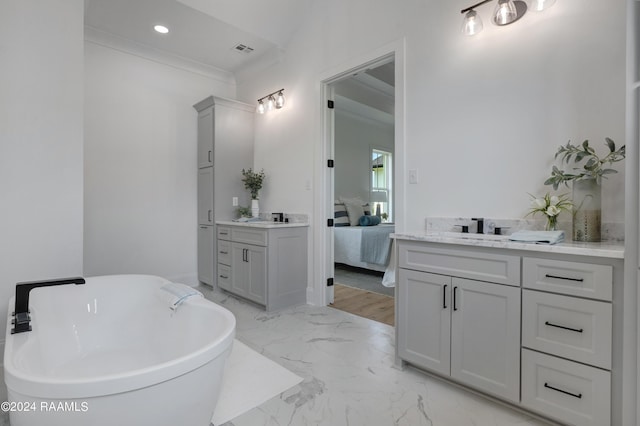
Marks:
<point>603,249</point>
<point>263,224</point>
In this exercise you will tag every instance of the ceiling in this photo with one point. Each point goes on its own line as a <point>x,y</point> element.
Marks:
<point>204,31</point>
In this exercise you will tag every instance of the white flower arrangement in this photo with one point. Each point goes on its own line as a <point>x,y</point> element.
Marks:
<point>551,206</point>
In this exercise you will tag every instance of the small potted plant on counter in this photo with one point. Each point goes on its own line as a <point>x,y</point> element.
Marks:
<point>253,182</point>
<point>550,206</point>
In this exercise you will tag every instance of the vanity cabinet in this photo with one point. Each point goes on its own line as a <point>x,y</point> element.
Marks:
<point>266,265</point>
<point>459,327</point>
<point>536,326</point>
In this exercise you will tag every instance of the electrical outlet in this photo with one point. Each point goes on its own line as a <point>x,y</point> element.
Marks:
<point>234,201</point>
<point>413,176</point>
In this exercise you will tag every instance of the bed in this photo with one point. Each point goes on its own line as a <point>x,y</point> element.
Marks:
<point>363,246</point>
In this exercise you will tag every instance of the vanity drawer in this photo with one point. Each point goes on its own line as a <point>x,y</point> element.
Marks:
<point>224,276</point>
<point>569,327</point>
<point>573,278</point>
<point>567,391</point>
<point>495,268</point>
<point>224,252</point>
<point>224,233</point>
<point>249,236</point>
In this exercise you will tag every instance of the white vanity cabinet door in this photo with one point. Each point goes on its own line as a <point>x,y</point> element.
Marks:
<point>249,271</point>
<point>424,319</point>
<point>485,336</point>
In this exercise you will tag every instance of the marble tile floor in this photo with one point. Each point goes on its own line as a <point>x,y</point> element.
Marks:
<point>347,363</point>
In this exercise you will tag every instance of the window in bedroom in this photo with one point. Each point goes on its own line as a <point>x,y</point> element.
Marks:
<point>381,185</point>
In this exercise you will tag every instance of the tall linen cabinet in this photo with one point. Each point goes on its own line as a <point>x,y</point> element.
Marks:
<point>225,147</point>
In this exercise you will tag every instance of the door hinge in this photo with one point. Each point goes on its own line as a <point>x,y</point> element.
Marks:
<point>329,222</point>
<point>330,104</point>
<point>330,163</point>
<point>329,282</point>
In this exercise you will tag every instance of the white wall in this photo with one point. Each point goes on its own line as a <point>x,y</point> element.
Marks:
<point>41,97</point>
<point>140,164</point>
<point>355,136</point>
<point>484,115</point>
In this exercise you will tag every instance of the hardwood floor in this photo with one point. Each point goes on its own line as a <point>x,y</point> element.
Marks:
<point>377,307</point>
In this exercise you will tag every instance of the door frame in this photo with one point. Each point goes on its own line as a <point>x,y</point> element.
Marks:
<point>323,175</point>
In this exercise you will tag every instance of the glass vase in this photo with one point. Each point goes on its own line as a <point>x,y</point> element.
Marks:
<point>587,210</point>
<point>552,223</point>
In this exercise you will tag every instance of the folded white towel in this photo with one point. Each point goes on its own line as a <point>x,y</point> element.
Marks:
<point>544,237</point>
<point>174,294</point>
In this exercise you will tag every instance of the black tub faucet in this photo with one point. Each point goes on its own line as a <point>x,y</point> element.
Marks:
<point>21,313</point>
<point>480,220</point>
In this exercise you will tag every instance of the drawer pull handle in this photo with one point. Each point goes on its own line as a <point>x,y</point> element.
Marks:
<point>550,324</point>
<point>547,385</point>
<point>224,252</point>
<point>444,297</point>
<point>564,278</point>
<point>224,277</point>
<point>223,233</point>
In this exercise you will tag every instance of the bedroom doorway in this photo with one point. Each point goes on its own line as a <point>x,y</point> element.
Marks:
<point>363,190</point>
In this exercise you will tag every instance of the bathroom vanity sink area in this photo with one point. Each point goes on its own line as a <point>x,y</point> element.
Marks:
<point>538,326</point>
<point>264,262</point>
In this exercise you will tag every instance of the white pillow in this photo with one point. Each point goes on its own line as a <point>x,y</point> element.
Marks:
<point>354,209</point>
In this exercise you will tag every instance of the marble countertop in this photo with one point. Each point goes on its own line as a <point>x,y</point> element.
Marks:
<point>263,224</point>
<point>604,249</point>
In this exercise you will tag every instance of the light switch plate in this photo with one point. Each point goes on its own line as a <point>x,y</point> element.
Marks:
<point>413,176</point>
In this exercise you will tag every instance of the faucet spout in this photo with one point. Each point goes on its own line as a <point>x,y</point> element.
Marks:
<point>480,220</point>
<point>21,313</point>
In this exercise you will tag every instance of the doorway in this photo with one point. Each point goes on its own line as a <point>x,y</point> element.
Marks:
<point>363,189</point>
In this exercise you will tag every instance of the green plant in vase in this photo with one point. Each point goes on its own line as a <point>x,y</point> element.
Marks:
<point>586,180</point>
<point>253,182</point>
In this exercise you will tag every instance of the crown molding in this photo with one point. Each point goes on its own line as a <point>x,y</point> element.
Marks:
<point>125,45</point>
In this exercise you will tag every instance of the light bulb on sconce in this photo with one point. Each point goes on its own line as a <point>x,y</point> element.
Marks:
<point>280,100</point>
<point>472,23</point>
<point>271,102</point>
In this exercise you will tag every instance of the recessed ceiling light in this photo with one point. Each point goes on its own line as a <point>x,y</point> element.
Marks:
<point>161,29</point>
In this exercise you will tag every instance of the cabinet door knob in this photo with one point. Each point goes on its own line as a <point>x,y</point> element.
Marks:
<point>209,215</point>
<point>209,156</point>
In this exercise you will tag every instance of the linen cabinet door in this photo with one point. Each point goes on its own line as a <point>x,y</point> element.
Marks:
<point>424,319</point>
<point>205,254</point>
<point>485,336</point>
<point>205,138</point>
<point>205,196</point>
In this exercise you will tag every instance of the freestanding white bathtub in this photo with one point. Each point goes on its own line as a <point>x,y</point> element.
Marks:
<point>111,352</point>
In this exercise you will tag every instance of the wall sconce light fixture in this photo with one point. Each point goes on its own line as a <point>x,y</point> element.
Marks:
<point>271,102</point>
<point>506,12</point>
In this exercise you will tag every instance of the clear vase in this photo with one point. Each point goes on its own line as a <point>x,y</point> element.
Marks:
<point>552,223</point>
<point>587,210</point>
<point>255,208</point>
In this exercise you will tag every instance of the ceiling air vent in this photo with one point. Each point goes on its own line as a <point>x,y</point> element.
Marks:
<point>243,48</point>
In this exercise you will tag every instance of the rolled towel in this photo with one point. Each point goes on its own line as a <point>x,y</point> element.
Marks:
<point>367,220</point>
<point>174,294</point>
<point>543,237</point>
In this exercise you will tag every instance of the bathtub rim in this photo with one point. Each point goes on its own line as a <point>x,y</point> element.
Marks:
<point>38,386</point>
